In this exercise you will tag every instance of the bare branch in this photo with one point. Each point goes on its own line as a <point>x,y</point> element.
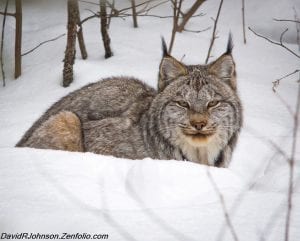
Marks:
<point>2,43</point>
<point>137,5</point>
<point>286,20</point>
<point>154,6</point>
<point>42,43</point>
<point>144,8</point>
<point>277,82</point>
<point>292,164</point>
<point>297,28</point>
<point>282,34</point>
<point>176,13</point>
<point>121,14</point>
<point>8,14</point>
<point>89,2</point>
<point>221,197</point>
<point>158,16</point>
<point>90,17</point>
<point>243,17</point>
<point>285,104</point>
<point>189,14</point>
<point>267,141</point>
<point>111,12</point>
<point>293,155</point>
<point>197,31</point>
<point>276,43</point>
<point>214,32</point>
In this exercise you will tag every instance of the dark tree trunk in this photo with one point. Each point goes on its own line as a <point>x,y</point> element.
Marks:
<point>2,41</point>
<point>71,41</point>
<point>104,32</point>
<point>18,38</point>
<point>80,35</point>
<point>135,24</point>
<point>189,14</point>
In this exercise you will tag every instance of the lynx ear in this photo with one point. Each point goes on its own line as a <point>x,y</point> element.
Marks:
<point>224,67</point>
<point>169,68</point>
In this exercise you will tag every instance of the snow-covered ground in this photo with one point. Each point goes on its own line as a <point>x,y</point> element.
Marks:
<point>50,191</point>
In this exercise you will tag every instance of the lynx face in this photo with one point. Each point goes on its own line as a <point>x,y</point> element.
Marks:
<point>199,108</point>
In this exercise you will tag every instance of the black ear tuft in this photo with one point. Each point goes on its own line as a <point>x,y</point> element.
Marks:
<point>164,47</point>
<point>229,44</point>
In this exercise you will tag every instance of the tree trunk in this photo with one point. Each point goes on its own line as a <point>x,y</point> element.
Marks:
<point>2,42</point>
<point>135,24</point>
<point>176,13</point>
<point>71,41</point>
<point>80,35</point>
<point>18,38</point>
<point>189,14</point>
<point>104,32</point>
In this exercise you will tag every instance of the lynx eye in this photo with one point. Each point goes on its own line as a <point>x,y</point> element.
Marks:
<point>183,104</point>
<point>213,103</point>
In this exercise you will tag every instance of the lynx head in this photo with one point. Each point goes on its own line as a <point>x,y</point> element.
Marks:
<point>198,104</point>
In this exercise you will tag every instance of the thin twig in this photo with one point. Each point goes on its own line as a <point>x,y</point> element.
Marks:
<point>292,164</point>
<point>144,8</point>
<point>186,16</point>
<point>286,105</point>
<point>267,141</point>
<point>243,18</point>
<point>126,15</point>
<point>286,20</point>
<point>274,217</point>
<point>8,14</point>
<point>2,43</point>
<point>176,13</point>
<point>225,211</point>
<point>214,32</point>
<point>40,44</point>
<point>197,31</point>
<point>154,6</point>
<point>297,28</point>
<point>138,5</point>
<point>89,2</point>
<point>292,159</point>
<point>95,15</point>
<point>277,82</point>
<point>276,43</point>
<point>242,196</point>
<point>158,16</point>
<point>111,12</point>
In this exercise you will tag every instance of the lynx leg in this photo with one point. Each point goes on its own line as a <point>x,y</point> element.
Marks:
<point>60,132</point>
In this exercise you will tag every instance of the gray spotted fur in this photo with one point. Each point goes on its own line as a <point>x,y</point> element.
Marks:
<point>125,118</point>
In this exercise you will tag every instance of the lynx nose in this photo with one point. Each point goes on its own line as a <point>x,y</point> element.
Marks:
<point>199,125</point>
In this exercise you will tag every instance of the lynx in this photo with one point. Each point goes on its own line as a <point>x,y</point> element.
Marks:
<point>195,115</point>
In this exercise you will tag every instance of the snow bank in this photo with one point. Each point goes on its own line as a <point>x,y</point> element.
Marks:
<point>56,191</point>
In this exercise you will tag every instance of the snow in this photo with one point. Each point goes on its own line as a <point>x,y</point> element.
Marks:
<point>55,191</point>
